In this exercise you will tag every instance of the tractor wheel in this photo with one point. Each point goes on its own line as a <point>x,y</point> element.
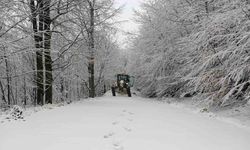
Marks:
<point>113,91</point>
<point>129,92</point>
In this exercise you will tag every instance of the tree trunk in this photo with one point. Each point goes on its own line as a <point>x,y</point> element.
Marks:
<point>206,7</point>
<point>8,80</point>
<point>38,37</point>
<point>104,88</point>
<point>92,59</point>
<point>62,88</point>
<point>24,91</point>
<point>47,54</point>
<point>41,26</point>
<point>3,93</point>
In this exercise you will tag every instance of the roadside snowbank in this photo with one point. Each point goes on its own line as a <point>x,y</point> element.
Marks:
<point>237,115</point>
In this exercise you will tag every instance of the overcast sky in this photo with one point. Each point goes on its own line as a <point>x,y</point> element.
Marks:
<point>127,14</point>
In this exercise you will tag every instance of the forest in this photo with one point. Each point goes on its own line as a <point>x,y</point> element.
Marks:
<point>125,74</point>
<point>194,48</point>
<point>56,50</point>
<point>53,51</point>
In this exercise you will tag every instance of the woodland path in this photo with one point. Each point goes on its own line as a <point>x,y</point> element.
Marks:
<point>121,123</point>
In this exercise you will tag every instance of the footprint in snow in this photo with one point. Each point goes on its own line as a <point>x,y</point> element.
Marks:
<point>129,119</point>
<point>117,146</point>
<point>115,123</point>
<point>127,129</point>
<point>109,135</point>
<point>131,113</point>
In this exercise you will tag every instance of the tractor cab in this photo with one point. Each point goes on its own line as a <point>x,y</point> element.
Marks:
<point>124,78</point>
<point>123,84</point>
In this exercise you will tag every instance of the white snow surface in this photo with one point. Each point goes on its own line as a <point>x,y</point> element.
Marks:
<point>121,123</point>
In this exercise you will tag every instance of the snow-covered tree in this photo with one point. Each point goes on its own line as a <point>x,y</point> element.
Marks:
<point>194,47</point>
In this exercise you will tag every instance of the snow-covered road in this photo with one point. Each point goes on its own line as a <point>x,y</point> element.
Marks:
<point>121,123</point>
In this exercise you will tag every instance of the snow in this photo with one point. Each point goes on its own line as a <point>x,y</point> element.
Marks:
<point>121,123</point>
<point>203,48</point>
<point>239,116</point>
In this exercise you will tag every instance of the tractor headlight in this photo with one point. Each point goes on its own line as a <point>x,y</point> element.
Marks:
<point>122,82</point>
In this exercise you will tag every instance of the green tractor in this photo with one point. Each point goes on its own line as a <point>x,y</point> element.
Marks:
<point>123,84</point>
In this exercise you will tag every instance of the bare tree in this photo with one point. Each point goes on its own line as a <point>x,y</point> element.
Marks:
<point>41,22</point>
<point>91,16</point>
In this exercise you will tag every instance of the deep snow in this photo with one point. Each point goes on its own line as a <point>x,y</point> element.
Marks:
<point>121,123</point>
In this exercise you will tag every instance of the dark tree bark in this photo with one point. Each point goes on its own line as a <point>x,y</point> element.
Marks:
<point>42,35</point>
<point>206,7</point>
<point>41,21</point>
<point>24,91</point>
<point>104,88</point>
<point>40,62</point>
<point>91,49</point>
<point>62,88</point>
<point>3,93</point>
<point>8,79</point>
<point>47,54</point>
<point>37,25</point>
